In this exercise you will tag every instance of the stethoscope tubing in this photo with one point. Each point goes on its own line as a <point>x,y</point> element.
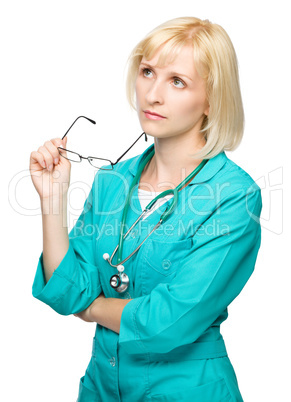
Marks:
<point>165,215</point>
<point>135,250</point>
<point>135,180</point>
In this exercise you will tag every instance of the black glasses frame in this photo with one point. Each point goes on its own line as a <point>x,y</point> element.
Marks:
<point>95,157</point>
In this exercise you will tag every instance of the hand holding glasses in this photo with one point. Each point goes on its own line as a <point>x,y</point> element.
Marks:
<point>99,163</point>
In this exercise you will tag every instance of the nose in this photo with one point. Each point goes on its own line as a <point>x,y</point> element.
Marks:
<point>155,93</point>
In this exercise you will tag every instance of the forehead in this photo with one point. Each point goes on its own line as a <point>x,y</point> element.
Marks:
<point>181,59</point>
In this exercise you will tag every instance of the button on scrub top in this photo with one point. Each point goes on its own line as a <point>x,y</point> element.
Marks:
<point>182,280</point>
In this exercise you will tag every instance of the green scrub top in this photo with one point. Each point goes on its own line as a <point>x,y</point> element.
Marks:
<point>181,281</point>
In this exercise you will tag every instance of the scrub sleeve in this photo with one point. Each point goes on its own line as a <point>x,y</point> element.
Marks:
<point>75,284</point>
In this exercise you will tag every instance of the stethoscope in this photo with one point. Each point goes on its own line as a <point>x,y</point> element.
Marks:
<point>120,281</point>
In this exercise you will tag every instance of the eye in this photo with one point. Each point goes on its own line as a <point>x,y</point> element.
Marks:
<point>179,81</point>
<point>145,71</point>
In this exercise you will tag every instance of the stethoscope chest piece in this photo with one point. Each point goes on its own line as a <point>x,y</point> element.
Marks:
<point>119,281</point>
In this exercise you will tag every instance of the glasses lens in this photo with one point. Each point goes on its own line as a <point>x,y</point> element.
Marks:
<point>100,163</point>
<point>72,156</point>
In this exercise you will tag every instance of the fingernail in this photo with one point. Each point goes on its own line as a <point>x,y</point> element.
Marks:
<point>56,161</point>
<point>43,164</point>
<point>50,167</point>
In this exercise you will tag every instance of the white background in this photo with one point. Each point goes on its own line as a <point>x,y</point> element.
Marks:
<point>61,59</point>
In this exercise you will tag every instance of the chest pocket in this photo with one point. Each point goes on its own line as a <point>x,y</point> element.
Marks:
<point>162,260</point>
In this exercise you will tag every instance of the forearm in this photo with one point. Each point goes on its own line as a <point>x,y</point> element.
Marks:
<point>55,233</point>
<point>107,312</point>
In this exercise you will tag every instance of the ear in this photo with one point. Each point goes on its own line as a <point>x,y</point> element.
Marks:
<point>206,111</point>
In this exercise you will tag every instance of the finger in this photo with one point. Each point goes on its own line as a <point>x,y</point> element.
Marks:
<point>53,150</point>
<point>58,142</point>
<point>48,157</point>
<point>36,157</point>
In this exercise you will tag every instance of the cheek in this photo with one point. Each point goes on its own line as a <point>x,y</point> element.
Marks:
<point>138,90</point>
<point>139,84</point>
<point>189,107</point>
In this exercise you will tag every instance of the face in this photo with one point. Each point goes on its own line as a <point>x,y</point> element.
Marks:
<point>176,92</point>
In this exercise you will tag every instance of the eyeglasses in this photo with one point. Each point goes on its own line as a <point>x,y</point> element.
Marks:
<point>99,163</point>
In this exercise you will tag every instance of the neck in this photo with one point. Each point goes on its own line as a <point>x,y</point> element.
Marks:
<point>171,163</point>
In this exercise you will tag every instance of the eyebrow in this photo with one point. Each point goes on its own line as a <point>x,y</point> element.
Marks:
<point>170,73</point>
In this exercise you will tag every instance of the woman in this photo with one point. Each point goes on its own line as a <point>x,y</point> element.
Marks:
<point>158,328</point>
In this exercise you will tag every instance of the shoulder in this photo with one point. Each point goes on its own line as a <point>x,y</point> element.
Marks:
<point>127,164</point>
<point>233,177</point>
<point>225,185</point>
<point>122,171</point>
<point>237,188</point>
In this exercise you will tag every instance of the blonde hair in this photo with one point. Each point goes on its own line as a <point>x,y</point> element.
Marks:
<point>216,62</point>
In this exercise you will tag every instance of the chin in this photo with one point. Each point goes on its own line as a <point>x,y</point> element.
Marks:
<point>154,131</point>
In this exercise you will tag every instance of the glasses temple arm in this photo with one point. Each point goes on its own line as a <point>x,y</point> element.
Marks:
<point>146,138</point>
<point>87,118</point>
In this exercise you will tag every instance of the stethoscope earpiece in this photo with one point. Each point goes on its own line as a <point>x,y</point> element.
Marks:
<point>106,256</point>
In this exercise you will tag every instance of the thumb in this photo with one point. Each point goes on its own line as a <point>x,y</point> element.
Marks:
<point>65,142</point>
<point>65,146</point>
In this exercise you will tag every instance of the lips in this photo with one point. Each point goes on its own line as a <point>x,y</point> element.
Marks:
<point>154,114</point>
